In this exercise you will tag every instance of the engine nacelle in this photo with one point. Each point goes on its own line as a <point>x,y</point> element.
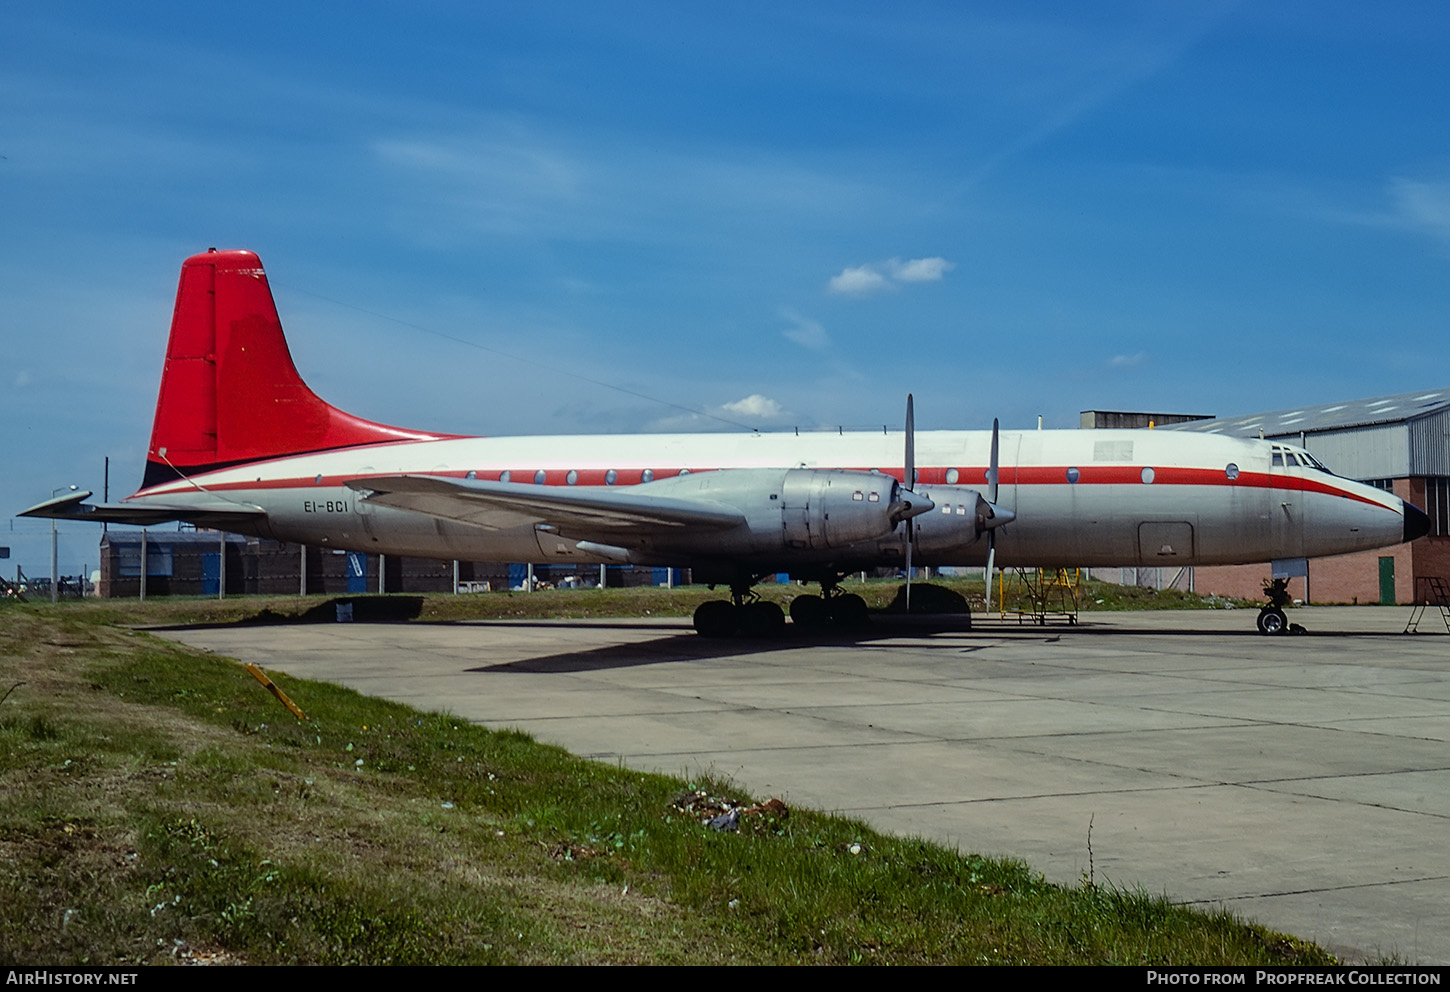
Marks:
<point>810,513</point>
<point>959,517</point>
<point>823,510</point>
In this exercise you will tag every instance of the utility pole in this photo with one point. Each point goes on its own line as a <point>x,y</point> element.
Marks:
<point>54,548</point>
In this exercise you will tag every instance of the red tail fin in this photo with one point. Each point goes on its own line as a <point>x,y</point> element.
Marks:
<point>229,391</point>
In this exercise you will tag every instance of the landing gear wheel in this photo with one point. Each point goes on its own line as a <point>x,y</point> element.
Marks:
<point>849,610</point>
<point>1272,621</point>
<point>715,618</point>
<point>762,619</point>
<point>809,611</point>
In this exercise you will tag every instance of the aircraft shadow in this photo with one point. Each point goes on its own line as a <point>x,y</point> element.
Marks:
<point>683,644</point>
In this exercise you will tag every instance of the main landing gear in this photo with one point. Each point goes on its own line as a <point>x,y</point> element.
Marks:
<point>844,609</point>
<point>750,616</point>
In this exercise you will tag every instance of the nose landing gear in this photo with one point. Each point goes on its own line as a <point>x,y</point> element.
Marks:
<point>1271,618</point>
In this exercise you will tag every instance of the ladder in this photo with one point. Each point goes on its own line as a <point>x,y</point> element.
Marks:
<point>1051,595</point>
<point>1430,591</point>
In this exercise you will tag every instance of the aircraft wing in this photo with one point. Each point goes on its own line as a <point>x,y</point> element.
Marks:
<point>215,513</point>
<point>613,513</point>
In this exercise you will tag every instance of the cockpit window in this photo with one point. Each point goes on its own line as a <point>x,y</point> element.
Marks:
<point>1298,458</point>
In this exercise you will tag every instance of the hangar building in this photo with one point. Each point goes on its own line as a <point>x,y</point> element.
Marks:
<point>1399,443</point>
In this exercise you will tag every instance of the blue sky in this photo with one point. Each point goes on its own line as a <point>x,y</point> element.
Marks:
<point>773,214</point>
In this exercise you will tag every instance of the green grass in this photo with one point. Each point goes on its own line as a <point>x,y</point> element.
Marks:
<point>157,804</point>
<point>639,601</point>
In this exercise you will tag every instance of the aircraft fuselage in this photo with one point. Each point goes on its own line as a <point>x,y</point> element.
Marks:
<point>1081,498</point>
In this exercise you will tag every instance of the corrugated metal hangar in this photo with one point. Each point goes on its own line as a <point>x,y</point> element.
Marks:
<point>1399,443</point>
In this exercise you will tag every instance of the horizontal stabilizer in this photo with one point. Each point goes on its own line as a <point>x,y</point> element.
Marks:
<point>213,513</point>
<point>576,512</point>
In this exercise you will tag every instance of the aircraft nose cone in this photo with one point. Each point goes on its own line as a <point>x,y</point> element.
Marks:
<point>1417,523</point>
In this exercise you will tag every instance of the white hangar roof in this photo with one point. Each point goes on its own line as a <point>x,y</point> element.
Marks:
<point>1325,416</point>
<point>1387,437</point>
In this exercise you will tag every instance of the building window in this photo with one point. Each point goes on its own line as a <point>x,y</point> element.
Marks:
<point>1388,485</point>
<point>158,561</point>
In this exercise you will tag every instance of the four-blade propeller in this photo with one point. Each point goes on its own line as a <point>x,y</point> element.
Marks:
<point>908,504</point>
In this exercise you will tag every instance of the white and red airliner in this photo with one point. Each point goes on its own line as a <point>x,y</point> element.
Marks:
<point>242,444</point>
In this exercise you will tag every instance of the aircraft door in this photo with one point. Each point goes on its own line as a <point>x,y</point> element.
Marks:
<point>363,508</point>
<point>1164,542</point>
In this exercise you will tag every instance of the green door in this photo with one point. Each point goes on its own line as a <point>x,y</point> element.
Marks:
<point>1387,582</point>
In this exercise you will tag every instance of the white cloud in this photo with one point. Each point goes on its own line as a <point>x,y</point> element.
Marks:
<point>1128,361</point>
<point>748,412</point>
<point>1423,206</point>
<point>858,281</point>
<point>873,277</point>
<point>806,332</point>
<point>1417,206</point>
<point>920,269</point>
<point>754,405</point>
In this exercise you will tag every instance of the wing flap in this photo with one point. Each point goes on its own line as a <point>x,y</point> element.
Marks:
<point>577,512</point>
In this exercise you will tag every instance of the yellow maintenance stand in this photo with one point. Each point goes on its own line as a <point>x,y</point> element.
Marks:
<point>1041,595</point>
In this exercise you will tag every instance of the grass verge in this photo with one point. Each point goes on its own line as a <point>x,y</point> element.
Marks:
<point>156,805</point>
<point>638,601</point>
